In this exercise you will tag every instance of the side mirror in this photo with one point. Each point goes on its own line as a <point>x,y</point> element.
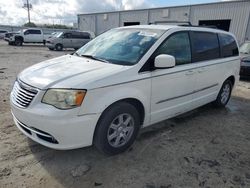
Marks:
<point>164,61</point>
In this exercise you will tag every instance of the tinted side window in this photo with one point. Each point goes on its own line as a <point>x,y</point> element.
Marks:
<point>177,45</point>
<point>80,35</point>
<point>75,35</point>
<point>37,32</point>
<point>85,35</point>
<point>26,32</point>
<point>31,31</point>
<point>228,45</point>
<point>205,46</point>
<point>67,35</point>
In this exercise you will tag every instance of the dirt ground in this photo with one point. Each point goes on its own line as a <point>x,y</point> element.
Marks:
<point>207,147</point>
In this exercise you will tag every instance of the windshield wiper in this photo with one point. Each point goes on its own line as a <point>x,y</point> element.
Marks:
<point>95,58</point>
<point>76,54</point>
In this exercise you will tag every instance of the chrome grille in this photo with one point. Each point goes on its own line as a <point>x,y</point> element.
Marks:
<point>22,94</point>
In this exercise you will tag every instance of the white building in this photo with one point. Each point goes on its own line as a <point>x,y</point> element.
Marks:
<point>233,16</point>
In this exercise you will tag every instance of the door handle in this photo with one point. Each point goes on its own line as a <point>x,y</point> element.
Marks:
<point>190,72</point>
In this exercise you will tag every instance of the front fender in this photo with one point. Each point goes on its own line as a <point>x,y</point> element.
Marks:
<point>18,37</point>
<point>97,100</point>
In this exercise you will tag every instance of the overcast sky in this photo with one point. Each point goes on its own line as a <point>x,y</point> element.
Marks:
<point>65,11</point>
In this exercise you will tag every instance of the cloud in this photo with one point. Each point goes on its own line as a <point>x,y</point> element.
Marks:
<point>61,11</point>
<point>3,12</point>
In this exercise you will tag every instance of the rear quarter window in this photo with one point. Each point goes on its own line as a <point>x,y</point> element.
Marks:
<point>205,46</point>
<point>85,35</point>
<point>228,45</point>
<point>81,35</point>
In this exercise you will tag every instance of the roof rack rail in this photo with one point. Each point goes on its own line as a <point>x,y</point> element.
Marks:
<point>183,23</point>
<point>204,26</point>
<point>186,23</point>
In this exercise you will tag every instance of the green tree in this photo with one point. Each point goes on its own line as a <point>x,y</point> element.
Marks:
<point>30,24</point>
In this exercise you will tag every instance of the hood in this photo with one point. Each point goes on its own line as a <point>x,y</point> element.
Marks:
<point>57,71</point>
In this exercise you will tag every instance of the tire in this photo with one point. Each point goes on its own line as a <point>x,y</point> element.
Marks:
<point>18,42</point>
<point>51,48</point>
<point>59,47</point>
<point>224,94</point>
<point>117,128</point>
<point>44,42</point>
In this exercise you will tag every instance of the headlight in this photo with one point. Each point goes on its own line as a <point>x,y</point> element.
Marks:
<point>64,98</point>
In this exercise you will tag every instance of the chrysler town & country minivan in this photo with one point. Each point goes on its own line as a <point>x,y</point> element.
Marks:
<point>123,80</point>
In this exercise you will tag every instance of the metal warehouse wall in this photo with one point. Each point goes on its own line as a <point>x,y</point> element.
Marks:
<point>237,12</point>
<point>172,14</point>
<point>104,24</point>
<point>248,29</point>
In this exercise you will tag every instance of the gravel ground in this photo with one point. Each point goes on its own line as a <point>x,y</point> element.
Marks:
<point>207,147</point>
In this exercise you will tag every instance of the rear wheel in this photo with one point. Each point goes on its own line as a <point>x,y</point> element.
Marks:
<point>224,94</point>
<point>59,47</point>
<point>117,128</point>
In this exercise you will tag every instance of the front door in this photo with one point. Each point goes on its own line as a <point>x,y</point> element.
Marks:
<point>173,88</point>
<point>67,40</point>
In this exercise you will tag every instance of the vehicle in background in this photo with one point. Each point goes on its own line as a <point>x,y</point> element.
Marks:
<point>28,36</point>
<point>9,34</point>
<point>124,79</point>
<point>245,60</point>
<point>2,33</point>
<point>69,39</point>
<point>53,34</point>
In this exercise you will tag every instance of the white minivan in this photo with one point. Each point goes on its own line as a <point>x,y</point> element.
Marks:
<point>121,81</point>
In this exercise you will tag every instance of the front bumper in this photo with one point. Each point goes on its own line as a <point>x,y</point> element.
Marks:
<point>59,130</point>
<point>50,45</point>
<point>245,71</point>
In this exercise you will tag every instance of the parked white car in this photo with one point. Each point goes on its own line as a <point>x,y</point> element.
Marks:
<point>28,36</point>
<point>121,81</point>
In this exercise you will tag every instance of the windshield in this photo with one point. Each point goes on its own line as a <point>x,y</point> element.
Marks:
<point>58,34</point>
<point>123,46</point>
<point>245,48</point>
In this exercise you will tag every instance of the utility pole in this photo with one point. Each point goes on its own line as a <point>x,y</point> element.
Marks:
<point>28,10</point>
<point>28,6</point>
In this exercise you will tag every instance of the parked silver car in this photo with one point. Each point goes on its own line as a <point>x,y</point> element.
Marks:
<point>2,33</point>
<point>69,39</point>
<point>245,60</point>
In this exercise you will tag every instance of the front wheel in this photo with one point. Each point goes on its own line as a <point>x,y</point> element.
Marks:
<point>224,94</point>
<point>18,42</point>
<point>59,47</point>
<point>117,128</point>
